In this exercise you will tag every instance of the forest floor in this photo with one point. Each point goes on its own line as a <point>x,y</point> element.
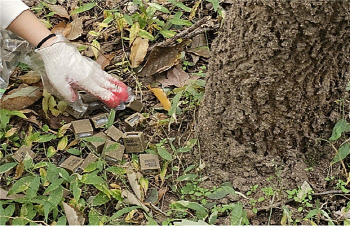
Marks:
<point>160,49</point>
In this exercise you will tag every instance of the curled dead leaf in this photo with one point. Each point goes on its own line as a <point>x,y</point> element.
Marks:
<point>134,185</point>
<point>77,28</point>
<point>30,78</point>
<point>104,60</point>
<point>62,28</point>
<point>21,97</point>
<point>159,93</point>
<point>138,51</point>
<point>74,216</point>
<point>59,10</point>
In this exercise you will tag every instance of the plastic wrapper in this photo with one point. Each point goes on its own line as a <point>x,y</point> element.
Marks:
<point>14,49</point>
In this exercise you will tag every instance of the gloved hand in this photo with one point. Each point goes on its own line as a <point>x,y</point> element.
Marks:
<point>68,70</point>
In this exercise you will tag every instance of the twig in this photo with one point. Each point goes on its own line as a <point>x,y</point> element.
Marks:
<point>4,216</point>
<point>328,193</point>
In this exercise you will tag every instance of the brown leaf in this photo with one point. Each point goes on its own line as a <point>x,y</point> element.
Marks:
<point>159,93</point>
<point>138,51</point>
<point>77,29</point>
<point>21,97</point>
<point>161,193</point>
<point>30,78</point>
<point>33,119</point>
<point>176,76</point>
<point>104,60</point>
<point>19,171</point>
<point>74,216</point>
<point>3,195</point>
<point>135,185</point>
<point>10,132</point>
<point>162,59</point>
<point>130,198</point>
<point>62,28</point>
<point>200,51</point>
<point>59,10</point>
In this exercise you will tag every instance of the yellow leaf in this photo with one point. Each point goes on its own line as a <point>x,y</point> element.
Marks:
<point>95,47</point>
<point>194,10</point>
<point>63,130</point>
<point>19,171</point>
<point>159,93</point>
<point>62,143</point>
<point>51,151</point>
<point>43,175</point>
<point>138,51</point>
<point>52,104</point>
<point>62,105</point>
<point>10,132</point>
<point>134,30</point>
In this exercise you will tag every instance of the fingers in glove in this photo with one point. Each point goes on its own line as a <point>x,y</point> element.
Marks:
<point>63,88</point>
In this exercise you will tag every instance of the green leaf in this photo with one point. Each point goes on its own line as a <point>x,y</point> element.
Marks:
<point>159,7</point>
<point>100,199</point>
<point>168,33</point>
<point>213,217</point>
<point>116,170</point>
<point>56,196</point>
<point>94,218</point>
<point>312,213</point>
<point>238,215</point>
<point>52,173</point>
<point>146,35</point>
<point>164,153</point>
<point>215,4</point>
<point>176,20</point>
<point>123,211</point>
<point>180,5</point>
<point>76,190</point>
<point>174,104</point>
<point>187,177</point>
<point>7,166</point>
<point>8,211</point>
<point>84,8</point>
<point>27,211</point>
<point>94,139</point>
<point>151,221</point>
<point>46,138</point>
<point>343,152</point>
<point>347,222</point>
<point>340,127</point>
<point>53,186</point>
<point>134,30</point>
<point>128,20</point>
<point>51,151</point>
<point>62,221</point>
<point>91,167</point>
<point>201,212</point>
<point>33,188</point>
<point>92,178</point>
<point>221,192</point>
<point>111,118</point>
<point>117,194</point>
<point>21,185</point>
<point>74,151</point>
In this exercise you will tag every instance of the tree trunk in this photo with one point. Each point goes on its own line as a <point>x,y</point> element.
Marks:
<point>277,70</point>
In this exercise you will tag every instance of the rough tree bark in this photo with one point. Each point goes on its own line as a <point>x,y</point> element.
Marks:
<point>278,69</point>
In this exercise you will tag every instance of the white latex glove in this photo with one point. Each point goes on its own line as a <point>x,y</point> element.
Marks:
<point>68,70</point>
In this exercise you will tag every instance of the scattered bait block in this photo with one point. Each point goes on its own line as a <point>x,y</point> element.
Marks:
<point>98,146</point>
<point>100,120</point>
<point>88,160</point>
<point>114,133</point>
<point>111,153</point>
<point>135,105</point>
<point>82,128</point>
<point>133,122</point>
<point>77,114</point>
<point>21,153</point>
<point>72,163</point>
<point>149,163</point>
<point>134,142</point>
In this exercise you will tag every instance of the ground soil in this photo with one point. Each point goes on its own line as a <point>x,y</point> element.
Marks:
<point>279,67</point>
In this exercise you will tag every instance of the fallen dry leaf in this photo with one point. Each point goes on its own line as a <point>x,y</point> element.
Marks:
<point>77,29</point>
<point>10,132</point>
<point>159,93</point>
<point>3,195</point>
<point>74,216</point>
<point>104,60</point>
<point>130,198</point>
<point>33,119</point>
<point>62,28</point>
<point>19,171</point>
<point>161,193</point>
<point>176,76</point>
<point>30,78</point>
<point>135,185</point>
<point>21,97</point>
<point>138,51</point>
<point>200,51</point>
<point>59,10</point>
<point>162,59</point>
